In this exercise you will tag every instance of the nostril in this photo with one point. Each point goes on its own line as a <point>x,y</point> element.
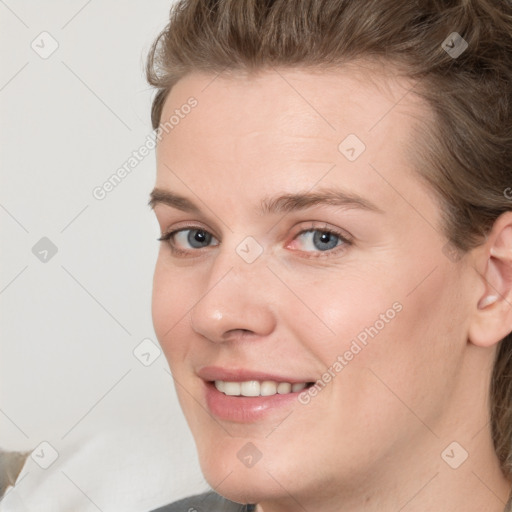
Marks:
<point>237,333</point>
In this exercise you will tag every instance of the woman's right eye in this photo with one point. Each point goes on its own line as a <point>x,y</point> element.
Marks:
<point>195,237</point>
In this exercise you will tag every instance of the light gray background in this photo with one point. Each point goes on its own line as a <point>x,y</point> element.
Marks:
<point>69,376</point>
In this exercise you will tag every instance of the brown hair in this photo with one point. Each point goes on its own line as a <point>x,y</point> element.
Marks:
<point>465,152</point>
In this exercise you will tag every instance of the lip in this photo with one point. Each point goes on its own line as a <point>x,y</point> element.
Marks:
<point>211,373</point>
<point>243,409</point>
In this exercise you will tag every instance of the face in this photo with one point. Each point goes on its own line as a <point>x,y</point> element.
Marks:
<point>346,287</point>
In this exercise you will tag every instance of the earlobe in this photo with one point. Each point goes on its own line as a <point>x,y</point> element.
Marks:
<point>491,320</point>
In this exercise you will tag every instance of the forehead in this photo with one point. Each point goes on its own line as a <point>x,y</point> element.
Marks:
<point>277,107</point>
<point>285,127</point>
<point>365,87</point>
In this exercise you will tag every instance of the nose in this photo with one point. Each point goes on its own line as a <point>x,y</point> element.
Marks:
<point>237,299</point>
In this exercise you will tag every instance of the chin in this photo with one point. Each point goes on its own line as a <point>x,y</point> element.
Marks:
<point>243,485</point>
<point>262,478</point>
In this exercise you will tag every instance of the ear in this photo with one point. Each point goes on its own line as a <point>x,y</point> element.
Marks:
<point>491,319</point>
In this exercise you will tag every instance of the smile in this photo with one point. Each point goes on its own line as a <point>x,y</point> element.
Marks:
<point>258,388</point>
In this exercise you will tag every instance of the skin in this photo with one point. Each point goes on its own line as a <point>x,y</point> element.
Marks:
<point>372,439</point>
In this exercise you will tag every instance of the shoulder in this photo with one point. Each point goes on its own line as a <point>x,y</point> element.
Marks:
<point>207,502</point>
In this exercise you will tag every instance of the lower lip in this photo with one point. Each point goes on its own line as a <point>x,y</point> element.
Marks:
<point>243,409</point>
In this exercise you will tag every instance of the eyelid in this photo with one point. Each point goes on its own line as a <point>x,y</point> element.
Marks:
<point>323,226</point>
<point>187,225</point>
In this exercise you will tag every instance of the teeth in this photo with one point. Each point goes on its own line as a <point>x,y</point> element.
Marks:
<point>256,388</point>
<point>284,387</point>
<point>250,388</point>
<point>232,388</point>
<point>268,388</point>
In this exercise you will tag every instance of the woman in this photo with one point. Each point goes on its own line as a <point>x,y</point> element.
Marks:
<point>334,284</point>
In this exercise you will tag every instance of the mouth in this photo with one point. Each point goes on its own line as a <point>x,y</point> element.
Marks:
<point>245,396</point>
<point>254,388</point>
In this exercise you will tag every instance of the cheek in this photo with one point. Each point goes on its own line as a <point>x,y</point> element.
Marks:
<point>407,330</point>
<point>354,308</point>
<point>169,306</point>
<point>413,358</point>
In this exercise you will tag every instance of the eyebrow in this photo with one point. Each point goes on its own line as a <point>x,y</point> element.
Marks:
<point>282,203</point>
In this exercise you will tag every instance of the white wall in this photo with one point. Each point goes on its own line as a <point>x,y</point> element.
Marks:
<point>69,325</point>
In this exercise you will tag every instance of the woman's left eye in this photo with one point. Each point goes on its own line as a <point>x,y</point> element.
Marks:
<point>321,239</point>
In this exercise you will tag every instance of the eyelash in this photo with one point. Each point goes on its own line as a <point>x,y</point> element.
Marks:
<point>167,237</point>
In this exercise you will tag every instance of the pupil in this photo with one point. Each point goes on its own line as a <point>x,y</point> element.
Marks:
<point>198,238</point>
<point>325,238</point>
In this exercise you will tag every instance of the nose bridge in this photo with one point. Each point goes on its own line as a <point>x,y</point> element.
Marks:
<point>236,294</point>
<point>243,257</point>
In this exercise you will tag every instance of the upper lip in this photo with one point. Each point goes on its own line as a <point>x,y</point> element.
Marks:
<point>212,373</point>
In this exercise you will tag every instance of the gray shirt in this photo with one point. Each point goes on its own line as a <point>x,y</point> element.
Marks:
<point>212,502</point>
<point>206,502</point>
